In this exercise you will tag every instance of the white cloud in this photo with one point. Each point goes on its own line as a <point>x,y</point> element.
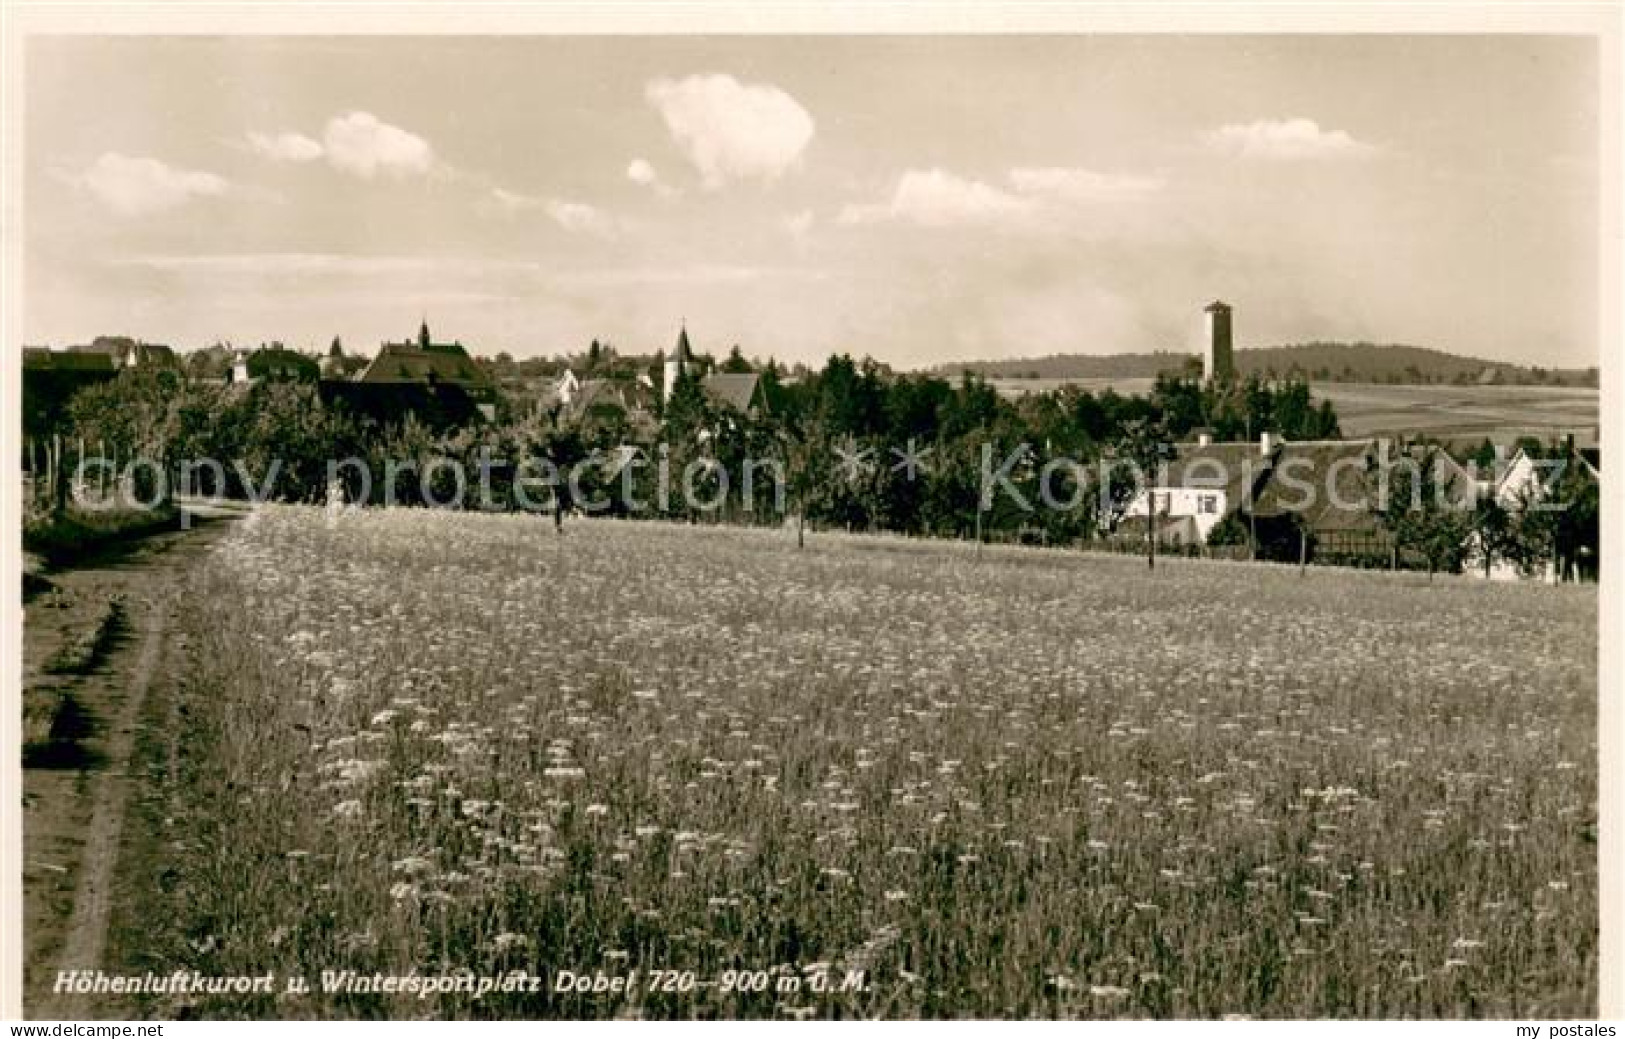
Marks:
<point>936,198</point>
<point>730,130</point>
<point>641,171</point>
<point>575,217</point>
<point>327,265</point>
<point>1042,196</point>
<point>140,186</point>
<point>1081,186</point>
<point>580,218</point>
<point>503,202</point>
<point>1285,139</point>
<point>285,147</point>
<point>361,144</point>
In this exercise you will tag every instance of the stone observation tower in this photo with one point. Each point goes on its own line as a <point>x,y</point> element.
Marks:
<point>1218,358</point>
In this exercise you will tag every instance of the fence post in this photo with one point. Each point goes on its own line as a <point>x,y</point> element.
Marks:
<point>64,475</point>
<point>58,486</point>
<point>33,471</point>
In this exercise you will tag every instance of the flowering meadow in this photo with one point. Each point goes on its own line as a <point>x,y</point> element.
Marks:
<point>1008,784</point>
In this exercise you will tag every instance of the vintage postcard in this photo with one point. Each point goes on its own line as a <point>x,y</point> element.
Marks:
<point>676,514</point>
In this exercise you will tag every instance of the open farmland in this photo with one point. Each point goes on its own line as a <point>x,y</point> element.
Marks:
<point>1029,784</point>
<point>1499,412</point>
<point>1502,413</point>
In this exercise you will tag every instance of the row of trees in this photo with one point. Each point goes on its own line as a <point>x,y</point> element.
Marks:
<point>852,446</point>
<point>857,446</point>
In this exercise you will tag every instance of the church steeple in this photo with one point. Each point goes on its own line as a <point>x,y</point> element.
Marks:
<point>423,334</point>
<point>683,354</point>
<point>679,363</point>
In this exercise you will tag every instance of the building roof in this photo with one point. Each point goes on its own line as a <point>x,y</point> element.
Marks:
<point>682,351</point>
<point>1463,484</point>
<point>444,363</point>
<point>125,350</point>
<point>623,395</point>
<point>278,357</point>
<point>1228,467</point>
<point>1325,482</point>
<point>1216,305</point>
<point>596,393</point>
<point>39,358</point>
<point>737,390</point>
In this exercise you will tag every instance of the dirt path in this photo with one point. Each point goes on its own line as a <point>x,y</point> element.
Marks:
<point>86,933</point>
<point>77,780</point>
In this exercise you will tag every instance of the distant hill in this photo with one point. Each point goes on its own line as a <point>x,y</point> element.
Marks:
<point>1321,362</point>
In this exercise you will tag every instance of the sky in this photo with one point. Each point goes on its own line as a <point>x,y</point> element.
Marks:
<point>918,199</point>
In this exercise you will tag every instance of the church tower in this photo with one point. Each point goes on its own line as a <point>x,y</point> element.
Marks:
<point>678,364</point>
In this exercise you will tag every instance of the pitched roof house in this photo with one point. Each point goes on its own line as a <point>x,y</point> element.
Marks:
<point>125,352</point>
<point>1203,482</point>
<point>741,391</point>
<point>39,358</point>
<point>52,377</point>
<point>272,363</point>
<point>1527,476</point>
<point>1326,489</point>
<point>426,363</point>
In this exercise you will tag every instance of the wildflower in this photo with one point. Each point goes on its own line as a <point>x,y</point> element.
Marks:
<point>509,940</point>
<point>412,866</point>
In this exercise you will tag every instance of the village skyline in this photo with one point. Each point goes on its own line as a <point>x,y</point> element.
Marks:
<point>920,200</point>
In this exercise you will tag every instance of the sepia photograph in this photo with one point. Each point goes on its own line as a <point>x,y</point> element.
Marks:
<point>708,520</point>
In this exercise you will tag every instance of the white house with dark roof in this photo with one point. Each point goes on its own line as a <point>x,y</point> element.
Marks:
<point>1526,481</point>
<point>1203,483</point>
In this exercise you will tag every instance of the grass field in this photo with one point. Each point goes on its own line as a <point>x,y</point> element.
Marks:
<point>1030,784</point>
<point>1502,413</point>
